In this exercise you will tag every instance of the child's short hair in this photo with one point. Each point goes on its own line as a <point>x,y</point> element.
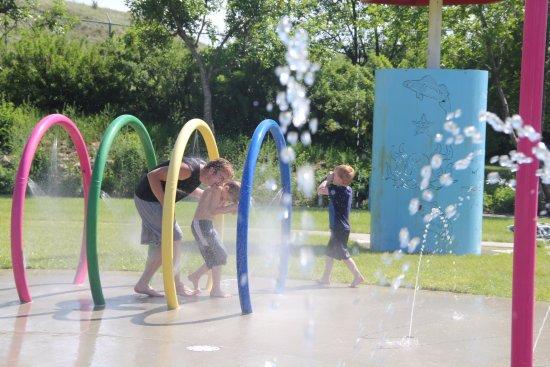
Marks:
<point>233,190</point>
<point>220,164</point>
<point>345,172</point>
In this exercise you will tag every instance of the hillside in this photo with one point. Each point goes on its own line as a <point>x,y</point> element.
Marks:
<point>94,23</point>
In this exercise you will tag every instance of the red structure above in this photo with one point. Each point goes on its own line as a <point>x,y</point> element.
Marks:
<point>427,2</point>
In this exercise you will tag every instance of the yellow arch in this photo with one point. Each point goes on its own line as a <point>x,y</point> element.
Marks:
<point>168,207</point>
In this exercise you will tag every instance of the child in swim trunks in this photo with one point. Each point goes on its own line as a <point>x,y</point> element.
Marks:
<point>149,198</point>
<point>213,201</point>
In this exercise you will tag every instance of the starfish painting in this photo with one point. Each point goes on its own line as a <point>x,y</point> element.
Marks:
<point>422,125</point>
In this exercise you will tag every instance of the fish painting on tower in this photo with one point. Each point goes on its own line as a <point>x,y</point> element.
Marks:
<point>427,87</point>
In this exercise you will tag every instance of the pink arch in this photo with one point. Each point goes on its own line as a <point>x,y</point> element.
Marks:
<point>18,200</point>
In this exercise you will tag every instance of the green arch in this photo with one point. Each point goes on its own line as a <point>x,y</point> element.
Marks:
<point>95,189</point>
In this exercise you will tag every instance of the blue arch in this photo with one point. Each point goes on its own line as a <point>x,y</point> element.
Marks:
<point>244,209</point>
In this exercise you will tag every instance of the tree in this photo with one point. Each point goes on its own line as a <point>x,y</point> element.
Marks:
<point>191,21</point>
<point>489,37</point>
<point>12,13</point>
<point>343,99</point>
<point>356,30</point>
<point>57,18</point>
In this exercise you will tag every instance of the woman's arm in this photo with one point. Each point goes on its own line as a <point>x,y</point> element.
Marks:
<point>155,177</point>
<point>160,174</point>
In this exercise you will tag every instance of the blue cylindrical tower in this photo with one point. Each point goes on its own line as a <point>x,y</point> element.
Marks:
<point>411,107</point>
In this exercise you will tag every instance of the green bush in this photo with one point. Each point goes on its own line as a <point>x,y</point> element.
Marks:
<point>7,176</point>
<point>488,204</point>
<point>503,172</point>
<point>126,164</point>
<point>503,200</point>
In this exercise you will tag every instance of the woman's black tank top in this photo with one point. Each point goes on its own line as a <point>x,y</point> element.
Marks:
<point>185,187</point>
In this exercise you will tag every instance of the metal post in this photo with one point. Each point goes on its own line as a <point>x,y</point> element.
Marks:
<point>434,34</point>
<point>110,32</point>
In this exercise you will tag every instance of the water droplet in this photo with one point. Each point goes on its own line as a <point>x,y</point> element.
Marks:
<point>414,205</point>
<point>284,74</point>
<point>287,199</point>
<point>313,125</point>
<point>396,283</point>
<point>305,138</point>
<point>288,155</point>
<point>446,179</point>
<point>427,195</point>
<point>464,163</point>
<point>404,237</point>
<point>307,257</point>
<point>436,161</point>
<point>244,280</point>
<point>292,137</point>
<point>457,316</point>
<point>203,348</point>
<point>450,211</point>
<point>493,178</point>
<point>285,118</point>
<point>413,244</point>
<point>470,131</point>
<point>306,180</point>
<point>309,78</point>
<point>270,184</point>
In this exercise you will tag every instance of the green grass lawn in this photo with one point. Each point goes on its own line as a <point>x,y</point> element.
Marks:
<point>53,232</point>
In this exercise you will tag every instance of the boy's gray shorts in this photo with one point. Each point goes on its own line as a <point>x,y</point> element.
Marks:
<point>151,222</point>
<point>212,250</point>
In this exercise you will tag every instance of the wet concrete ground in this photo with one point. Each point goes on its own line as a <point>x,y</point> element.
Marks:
<point>307,326</point>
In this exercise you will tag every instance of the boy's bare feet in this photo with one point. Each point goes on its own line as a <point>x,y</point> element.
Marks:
<point>357,280</point>
<point>182,290</point>
<point>147,290</point>
<point>195,280</point>
<point>218,293</point>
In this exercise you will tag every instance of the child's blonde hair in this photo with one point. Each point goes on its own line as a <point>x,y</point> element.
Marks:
<point>345,172</point>
<point>233,190</point>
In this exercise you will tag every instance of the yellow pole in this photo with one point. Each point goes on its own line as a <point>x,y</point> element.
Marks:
<point>168,208</point>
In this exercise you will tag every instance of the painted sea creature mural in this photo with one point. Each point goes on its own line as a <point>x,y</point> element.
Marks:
<point>403,166</point>
<point>427,87</point>
<point>422,125</point>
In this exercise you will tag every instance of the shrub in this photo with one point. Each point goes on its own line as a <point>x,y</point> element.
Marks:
<point>126,164</point>
<point>488,204</point>
<point>7,176</point>
<point>503,200</point>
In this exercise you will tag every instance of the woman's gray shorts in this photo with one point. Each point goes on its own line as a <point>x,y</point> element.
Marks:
<point>151,222</point>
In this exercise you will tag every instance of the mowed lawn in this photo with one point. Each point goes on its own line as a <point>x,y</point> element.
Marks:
<point>53,235</point>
